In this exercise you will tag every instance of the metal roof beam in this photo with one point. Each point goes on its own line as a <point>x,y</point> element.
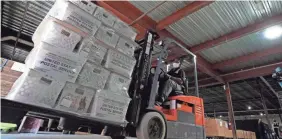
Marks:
<point>179,14</point>
<point>128,13</point>
<point>248,57</point>
<point>242,74</point>
<point>238,33</point>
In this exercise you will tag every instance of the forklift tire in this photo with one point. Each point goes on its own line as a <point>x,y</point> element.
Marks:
<point>151,126</point>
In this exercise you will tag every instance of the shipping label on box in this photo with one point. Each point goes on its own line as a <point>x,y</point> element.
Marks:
<point>110,106</point>
<point>107,36</point>
<point>104,16</point>
<point>56,35</point>
<point>96,52</point>
<point>120,63</point>
<point>57,64</point>
<point>86,5</point>
<point>118,84</point>
<point>69,13</point>
<point>124,29</point>
<point>126,47</point>
<point>34,88</point>
<point>93,76</point>
<point>75,98</point>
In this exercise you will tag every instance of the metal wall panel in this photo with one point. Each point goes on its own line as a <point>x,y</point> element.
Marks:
<point>222,17</point>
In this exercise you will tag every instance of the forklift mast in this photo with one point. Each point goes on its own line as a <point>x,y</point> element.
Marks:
<point>140,77</point>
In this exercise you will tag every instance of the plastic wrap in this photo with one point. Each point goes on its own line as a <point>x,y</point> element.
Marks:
<point>104,16</point>
<point>75,98</point>
<point>107,36</point>
<point>69,13</point>
<point>93,76</point>
<point>34,88</point>
<point>109,106</point>
<point>124,29</point>
<point>56,35</point>
<point>125,46</point>
<point>118,84</point>
<point>85,5</point>
<point>96,51</point>
<point>120,63</point>
<point>57,64</point>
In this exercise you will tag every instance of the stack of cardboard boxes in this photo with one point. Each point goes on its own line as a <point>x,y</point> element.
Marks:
<point>219,128</point>
<point>82,62</point>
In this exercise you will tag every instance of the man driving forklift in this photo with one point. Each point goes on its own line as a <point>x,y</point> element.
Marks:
<point>172,82</point>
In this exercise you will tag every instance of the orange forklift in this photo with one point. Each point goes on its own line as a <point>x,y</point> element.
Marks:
<point>181,116</point>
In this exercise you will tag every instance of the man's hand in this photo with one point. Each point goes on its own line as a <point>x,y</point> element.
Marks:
<point>177,80</point>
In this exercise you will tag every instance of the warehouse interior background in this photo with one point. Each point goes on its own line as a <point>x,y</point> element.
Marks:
<point>227,37</point>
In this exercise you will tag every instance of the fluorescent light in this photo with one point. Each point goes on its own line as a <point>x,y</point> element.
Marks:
<point>249,107</point>
<point>273,32</point>
<point>220,116</point>
<point>261,114</point>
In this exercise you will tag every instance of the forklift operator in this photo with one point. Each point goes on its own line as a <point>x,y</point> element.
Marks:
<point>172,83</point>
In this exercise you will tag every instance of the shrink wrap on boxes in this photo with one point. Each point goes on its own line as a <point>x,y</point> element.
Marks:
<point>75,98</point>
<point>107,36</point>
<point>96,51</point>
<point>93,76</point>
<point>124,29</point>
<point>36,89</point>
<point>104,16</point>
<point>85,5</point>
<point>118,84</point>
<point>71,14</point>
<point>109,106</point>
<point>51,32</point>
<point>57,64</point>
<point>125,46</point>
<point>119,63</point>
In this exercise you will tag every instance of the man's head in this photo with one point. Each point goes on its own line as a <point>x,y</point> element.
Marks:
<point>177,62</point>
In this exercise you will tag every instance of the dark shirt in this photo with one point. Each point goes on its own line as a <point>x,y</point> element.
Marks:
<point>178,73</point>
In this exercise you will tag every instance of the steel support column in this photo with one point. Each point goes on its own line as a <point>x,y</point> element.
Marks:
<point>230,110</point>
<point>263,103</point>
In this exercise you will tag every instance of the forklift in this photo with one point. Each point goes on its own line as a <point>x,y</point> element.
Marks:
<point>181,117</point>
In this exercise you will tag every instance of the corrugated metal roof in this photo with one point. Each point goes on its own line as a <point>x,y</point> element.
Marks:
<point>162,11</point>
<point>247,44</point>
<point>254,63</point>
<point>13,11</point>
<point>222,17</point>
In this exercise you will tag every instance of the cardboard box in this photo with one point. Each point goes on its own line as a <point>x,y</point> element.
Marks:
<point>125,46</point>
<point>110,106</point>
<point>107,35</point>
<point>71,14</point>
<point>118,84</point>
<point>57,64</point>
<point>75,98</point>
<point>215,128</point>
<point>51,32</point>
<point>96,51</point>
<point>120,63</point>
<point>85,5</point>
<point>36,89</point>
<point>228,133</point>
<point>124,29</point>
<point>104,16</point>
<point>240,134</point>
<point>93,76</point>
<point>253,135</point>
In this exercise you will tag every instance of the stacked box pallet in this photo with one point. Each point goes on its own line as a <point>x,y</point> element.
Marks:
<point>215,127</point>
<point>8,76</point>
<point>81,63</point>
